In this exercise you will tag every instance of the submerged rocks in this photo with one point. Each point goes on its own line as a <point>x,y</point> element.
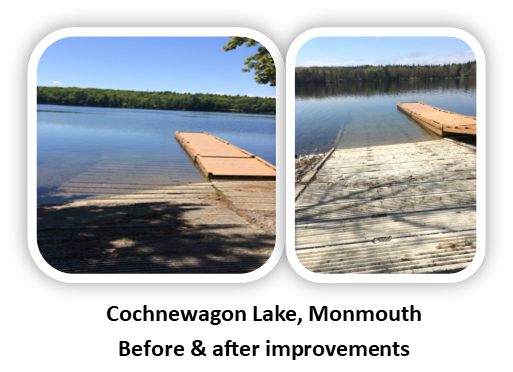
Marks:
<point>306,163</point>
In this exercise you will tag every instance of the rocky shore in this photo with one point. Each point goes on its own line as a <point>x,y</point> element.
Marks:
<point>305,163</point>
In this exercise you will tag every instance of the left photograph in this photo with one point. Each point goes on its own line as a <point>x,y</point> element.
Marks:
<point>156,155</point>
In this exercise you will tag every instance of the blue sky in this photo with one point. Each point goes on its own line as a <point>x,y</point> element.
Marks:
<point>178,64</point>
<point>347,51</point>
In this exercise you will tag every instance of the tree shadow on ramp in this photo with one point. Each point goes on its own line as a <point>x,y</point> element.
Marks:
<point>148,238</point>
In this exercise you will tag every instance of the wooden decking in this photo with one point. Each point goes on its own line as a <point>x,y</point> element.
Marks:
<point>443,123</point>
<point>218,159</point>
<point>408,208</point>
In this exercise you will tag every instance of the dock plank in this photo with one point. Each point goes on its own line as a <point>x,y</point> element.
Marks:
<point>440,121</point>
<point>218,159</point>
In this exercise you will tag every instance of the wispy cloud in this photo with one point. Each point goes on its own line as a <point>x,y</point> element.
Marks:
<point>354,62</point>
<point>324,62</point>
<point>421,59</point>
<point>56,82</point>
<point>252,95</point>
<point>417,58</point>
<point>318,62</point>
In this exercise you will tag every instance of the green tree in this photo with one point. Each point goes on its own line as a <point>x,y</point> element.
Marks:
<point>261,62</point>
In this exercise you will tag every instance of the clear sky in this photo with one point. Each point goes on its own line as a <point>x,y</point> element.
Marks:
<point>348,51</point>
<point>177,64</point>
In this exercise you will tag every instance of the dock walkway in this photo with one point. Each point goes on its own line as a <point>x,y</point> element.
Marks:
<point>442,122</point>
<point>407,208</point>
<point>218,159</point>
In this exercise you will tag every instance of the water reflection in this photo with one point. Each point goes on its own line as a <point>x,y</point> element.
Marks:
<point>349,115</point>
<point>85,148</point>
<point>432,135</point>
<point>361,89</point>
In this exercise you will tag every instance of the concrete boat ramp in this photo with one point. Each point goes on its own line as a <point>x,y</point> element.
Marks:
<point>207,227</point>
<point>126,216</point>
<point>407,208</point>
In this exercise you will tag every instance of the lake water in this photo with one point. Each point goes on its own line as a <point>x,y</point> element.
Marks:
<point>89,145</point>
<point>365,113</point>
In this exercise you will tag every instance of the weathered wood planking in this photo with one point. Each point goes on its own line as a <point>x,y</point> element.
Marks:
<point>435,253</point>
<point>442,122</point>
<point>408,208</point>
<point>218,159</point>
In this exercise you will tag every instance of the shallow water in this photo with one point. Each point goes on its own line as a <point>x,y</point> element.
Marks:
<point>350,115</point>
<point>90,145</point>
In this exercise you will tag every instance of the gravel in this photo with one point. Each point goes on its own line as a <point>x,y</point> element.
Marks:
<point>264,220</point>
<point>305,163</point>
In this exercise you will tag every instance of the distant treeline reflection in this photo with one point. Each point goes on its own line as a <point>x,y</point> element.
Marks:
<point>154,100</point>
<point>305,75</point>
<point>387,88</point>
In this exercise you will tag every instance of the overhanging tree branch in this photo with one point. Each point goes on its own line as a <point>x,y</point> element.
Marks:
<point>261,62</point>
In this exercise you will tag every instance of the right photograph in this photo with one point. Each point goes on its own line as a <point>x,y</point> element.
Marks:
<point>385,155</point>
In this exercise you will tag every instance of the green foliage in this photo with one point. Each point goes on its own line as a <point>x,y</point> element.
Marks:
<point>154,100</point>
<point>220,194</point>
<point>261,62</point>
<point>305,75</point>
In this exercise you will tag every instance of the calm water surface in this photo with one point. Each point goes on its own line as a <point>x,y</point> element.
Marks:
<point>89,146</point>
<point>349,115</point>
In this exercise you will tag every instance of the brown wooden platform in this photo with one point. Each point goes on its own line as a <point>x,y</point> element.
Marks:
<point>443,123</point>
<point>218,159</point>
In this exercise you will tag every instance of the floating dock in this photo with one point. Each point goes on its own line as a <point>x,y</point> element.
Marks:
<point>407,208</point>
<point>218,159</point>
<point>444,123</point>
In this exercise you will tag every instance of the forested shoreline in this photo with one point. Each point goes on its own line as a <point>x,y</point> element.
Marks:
<point>154,100</point>
<point>334,74</point>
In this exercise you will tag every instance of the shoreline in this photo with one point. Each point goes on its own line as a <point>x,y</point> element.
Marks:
<point>305,163</point>
<point>160,109</point>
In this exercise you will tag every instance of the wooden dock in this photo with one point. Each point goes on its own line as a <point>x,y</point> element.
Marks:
<point>443,123</point>
<point>218,159</point>
<point>407,208</point>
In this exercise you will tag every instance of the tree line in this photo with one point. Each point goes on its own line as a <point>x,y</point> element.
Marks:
<point>154,100</point>
<point>305,75</point>
<point>389,88</point>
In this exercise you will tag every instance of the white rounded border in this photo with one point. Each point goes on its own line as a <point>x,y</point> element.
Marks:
<point>32,155</point>
<point>481,158</point>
